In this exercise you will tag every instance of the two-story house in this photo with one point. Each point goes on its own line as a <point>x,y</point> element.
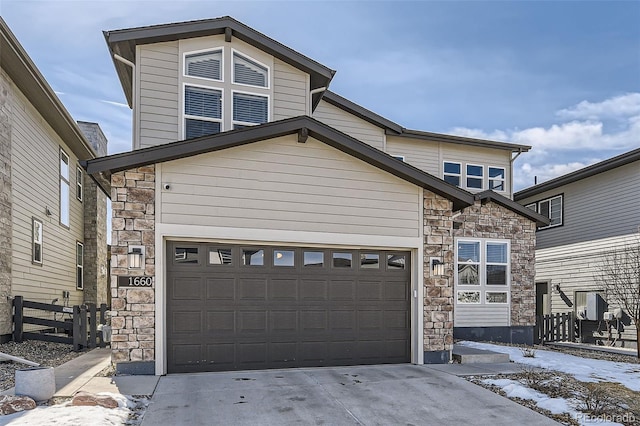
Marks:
<point>572,250</point>
<point>262,221</point>
<point>53,216</point>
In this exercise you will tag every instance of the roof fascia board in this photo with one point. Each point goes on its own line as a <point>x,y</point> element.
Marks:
<point>319,131</point>
<point>361,112</point>
<point>594,169</point>
<point>26,76</point>
<point>439,137</point>
<point>490,195</point>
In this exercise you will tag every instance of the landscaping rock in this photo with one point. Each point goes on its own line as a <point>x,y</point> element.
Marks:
<point>13,404</point>
<point>89,399</point>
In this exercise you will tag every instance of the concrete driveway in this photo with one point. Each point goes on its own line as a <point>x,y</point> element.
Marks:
<point>363,395</point>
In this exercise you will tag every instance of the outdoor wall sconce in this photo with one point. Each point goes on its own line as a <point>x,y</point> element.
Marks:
<point>437,266</point>
<point>135,257</point>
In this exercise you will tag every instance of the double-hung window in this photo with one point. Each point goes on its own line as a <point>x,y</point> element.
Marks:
<point>79,183</point>
<point>79,265</point>
<point>496,178</point>
<point>453,173</point>
<point>202,111</point>
<point>64,188</point>
<point>482,271</point>
<point>475,176</point>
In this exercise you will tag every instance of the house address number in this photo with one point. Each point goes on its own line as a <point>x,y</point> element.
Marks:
<point>135,281</point>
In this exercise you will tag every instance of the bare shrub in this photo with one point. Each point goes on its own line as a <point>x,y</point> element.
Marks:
<point>595,400</point>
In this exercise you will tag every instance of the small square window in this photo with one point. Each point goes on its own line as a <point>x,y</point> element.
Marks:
<point>253,257</point>
<point>370,261</point>
<point>396,261</point>
<point>342,260</point>
<point>220,256</point>
<point>283,258</point>
<point>313,258</point>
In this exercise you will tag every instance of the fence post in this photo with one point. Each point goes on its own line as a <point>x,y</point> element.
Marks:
<point>574,331</point>
<point>92,326</point>
<point>83,325</point>
<point>565,323</point>
<point>103,312</point>
<point>17,319</point>
<point>76,328</point>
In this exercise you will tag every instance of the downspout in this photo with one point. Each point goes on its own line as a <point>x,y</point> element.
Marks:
<point>313,92</point>
<point>133,94</point>
<point>511,171</point>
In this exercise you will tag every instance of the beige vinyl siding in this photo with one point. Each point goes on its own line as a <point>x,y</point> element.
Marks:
<point>285,185</point>
<point>601,206</point>
<point>422,154</point>
<point>290,91</point>
<point>481,315</point>
<point>35,187</point>
<point>157,110</point>
<point>573,267</point>
<point>350,124</point>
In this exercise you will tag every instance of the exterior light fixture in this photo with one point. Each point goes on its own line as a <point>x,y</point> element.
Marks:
<point>437,266</point>
<point>135,257</point>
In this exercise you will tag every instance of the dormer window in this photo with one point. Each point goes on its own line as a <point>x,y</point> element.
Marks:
<point>249,72</point>
<point>204,65</point>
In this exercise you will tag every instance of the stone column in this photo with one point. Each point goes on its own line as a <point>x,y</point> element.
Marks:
<point>133,309</point>
<point>438,290</point>
<point>5,211</point>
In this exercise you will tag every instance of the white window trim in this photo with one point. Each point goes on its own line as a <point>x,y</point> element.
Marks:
<point>532,206</point>
<point>537,203</point>
<point>79,183</point>
<point>453,174</point>
<point>67,181</point>
<point>483,287</point>
<point>503,180</point>
<point>245,123</point>
<point>198,117</point>
<point>249,58</point>
<point>195,52</point>
<point>482,178</point>
<point>33,242</point>
<point>79,267</point>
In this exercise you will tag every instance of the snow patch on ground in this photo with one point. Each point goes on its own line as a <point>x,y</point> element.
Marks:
<point>583,369</point>
<point>65,414</point>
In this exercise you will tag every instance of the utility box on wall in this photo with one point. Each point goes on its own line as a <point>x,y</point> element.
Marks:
<point>596,306</point>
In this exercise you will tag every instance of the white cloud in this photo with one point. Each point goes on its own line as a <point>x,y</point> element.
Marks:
<point>571,145</point>
<point>620,106</point>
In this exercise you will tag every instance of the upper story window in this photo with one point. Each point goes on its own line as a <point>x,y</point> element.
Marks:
<point>79,183</point>
<point>551,208</point>
<point>64,188</point>
<point>204,65</point>
<point>216,102</point>
<point>202,111</point>
<point>496,178</point>
<point>452,173</point>
<point>249,72</point>
<point>475,176</point>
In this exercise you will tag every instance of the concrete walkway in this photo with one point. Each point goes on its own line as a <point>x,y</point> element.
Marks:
<point>362,395</point>
<point>79,374</point>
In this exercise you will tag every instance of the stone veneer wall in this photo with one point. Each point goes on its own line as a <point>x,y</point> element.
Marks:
<point>438,291</point>
<point>133,223</point>
<point>5,208</point>
<point>491,220</point>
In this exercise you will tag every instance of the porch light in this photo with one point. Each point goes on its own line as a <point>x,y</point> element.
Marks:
<point>437,266</point>
<point>135,257</point>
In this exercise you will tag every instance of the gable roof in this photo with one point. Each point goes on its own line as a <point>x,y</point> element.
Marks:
<point>101,168</point>
<point>392,128</point>
<point>490,195</point>
<point>123,43</point>
<point>594,169</point>
<point>26,76</point>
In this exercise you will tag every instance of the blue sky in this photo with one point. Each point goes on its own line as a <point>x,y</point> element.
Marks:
<point>563,77</point>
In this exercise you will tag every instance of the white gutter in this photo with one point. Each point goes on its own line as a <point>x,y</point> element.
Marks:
<point>511,171</point>
<point>133,74</point>
<point>313,92</point>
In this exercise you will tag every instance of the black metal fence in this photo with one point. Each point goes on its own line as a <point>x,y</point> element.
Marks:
<point>81,330</point>
<point>559,327</point>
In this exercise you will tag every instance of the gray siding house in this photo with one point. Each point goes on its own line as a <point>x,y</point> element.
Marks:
<point>53,215</point>
<point>581,234</point>
<point>262,221</point>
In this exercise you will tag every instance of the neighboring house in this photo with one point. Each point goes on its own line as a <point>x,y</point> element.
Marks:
<point>53,235</point>
<point>262,221</point>
<point>582,230</point>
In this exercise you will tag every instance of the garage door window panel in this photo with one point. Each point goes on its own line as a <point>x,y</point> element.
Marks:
<point>284,258</point>
<point>314,259</point>
<point>253,257</point>
<point>342,260</point>
<point>220,256</point>
<point>369,261</point>
<point>396,262</point>
<point>186,255</point>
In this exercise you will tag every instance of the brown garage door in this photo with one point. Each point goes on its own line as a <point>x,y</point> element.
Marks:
<point>253,307</point>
